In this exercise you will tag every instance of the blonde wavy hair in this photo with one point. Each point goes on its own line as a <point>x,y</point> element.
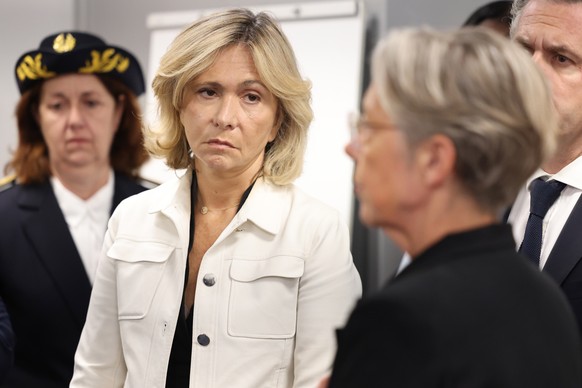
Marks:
<point>479,89</point>
<point>195,49</point>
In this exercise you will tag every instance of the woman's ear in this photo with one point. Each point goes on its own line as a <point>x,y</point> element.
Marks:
<point>436,157</point>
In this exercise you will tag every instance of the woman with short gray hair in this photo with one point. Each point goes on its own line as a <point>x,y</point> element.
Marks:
<point>453,123</point>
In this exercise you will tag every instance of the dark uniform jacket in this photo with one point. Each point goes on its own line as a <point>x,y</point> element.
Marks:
<point>43,283</point>
<point>6,341</point>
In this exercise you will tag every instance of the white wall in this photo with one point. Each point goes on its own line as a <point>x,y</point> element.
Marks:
<point>23,24</point>
<point>124,21</point>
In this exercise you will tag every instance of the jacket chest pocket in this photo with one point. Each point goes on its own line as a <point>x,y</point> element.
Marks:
<point>263,297</point>
<point>139,269</point>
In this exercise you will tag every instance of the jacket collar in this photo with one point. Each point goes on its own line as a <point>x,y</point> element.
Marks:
<point>265,206</point>
<point>173,193</point>
<point>458,246</point>
<point>56,249</point>
<point>33,195</point>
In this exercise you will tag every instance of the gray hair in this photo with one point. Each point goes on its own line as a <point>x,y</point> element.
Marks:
<point>479,89</point>
<point>194,51</point>
<point>518,6</point>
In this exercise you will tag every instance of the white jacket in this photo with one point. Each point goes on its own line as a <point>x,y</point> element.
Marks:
<point>283,277</point>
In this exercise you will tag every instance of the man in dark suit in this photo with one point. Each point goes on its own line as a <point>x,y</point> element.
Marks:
<point>550,31</point>
<point>80,148</point>
<point>435,152</point>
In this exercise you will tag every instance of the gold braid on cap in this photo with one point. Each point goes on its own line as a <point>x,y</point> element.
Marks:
<point>105,62</point>
<point>32,68</point>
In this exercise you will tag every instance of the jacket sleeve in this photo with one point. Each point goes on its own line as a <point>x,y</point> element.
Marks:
<point>328,290</point>
<point>99,359</point>
<point>6,341</point>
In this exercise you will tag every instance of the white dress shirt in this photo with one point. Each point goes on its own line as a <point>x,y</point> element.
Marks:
<point>87,220</point>
<point>558,214</point>
<point>406,260</point>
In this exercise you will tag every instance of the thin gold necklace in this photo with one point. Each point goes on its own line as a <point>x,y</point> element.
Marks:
<point>205,209</point>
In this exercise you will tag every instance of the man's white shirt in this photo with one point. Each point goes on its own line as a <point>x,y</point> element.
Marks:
<point>557,215</point>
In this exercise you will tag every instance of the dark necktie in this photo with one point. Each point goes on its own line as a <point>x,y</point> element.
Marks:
<point>543,195</point>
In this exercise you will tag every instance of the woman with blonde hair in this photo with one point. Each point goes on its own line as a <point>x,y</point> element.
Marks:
<point>228,276</point>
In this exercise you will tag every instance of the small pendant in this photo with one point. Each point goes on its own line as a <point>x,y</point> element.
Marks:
<point>203,210</point>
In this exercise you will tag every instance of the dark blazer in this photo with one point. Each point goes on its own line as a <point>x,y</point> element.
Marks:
<point>43,283</point>
<point>468,312</point>
<point>564,263</point>
<point>6,341</point>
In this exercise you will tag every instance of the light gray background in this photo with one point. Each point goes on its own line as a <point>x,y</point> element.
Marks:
<point>23,23</point>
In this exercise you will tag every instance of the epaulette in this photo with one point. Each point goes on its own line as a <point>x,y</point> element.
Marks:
<point>7,182</point>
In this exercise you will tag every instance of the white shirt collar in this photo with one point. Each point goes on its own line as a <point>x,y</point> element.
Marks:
<point>75,209</point>
<point>86,220</point>
<point>570,174</point>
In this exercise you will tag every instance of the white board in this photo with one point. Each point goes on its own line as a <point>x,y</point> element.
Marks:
<point>328,40</point>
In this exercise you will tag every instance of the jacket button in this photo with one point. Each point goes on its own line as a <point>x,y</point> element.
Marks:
<point>203,340</point>
<point>209,280</point>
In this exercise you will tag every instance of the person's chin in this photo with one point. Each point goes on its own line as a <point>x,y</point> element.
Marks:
<point>81,159</point>
<point>368,215</point>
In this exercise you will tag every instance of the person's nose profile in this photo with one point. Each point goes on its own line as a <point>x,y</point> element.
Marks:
<point>352,148</point>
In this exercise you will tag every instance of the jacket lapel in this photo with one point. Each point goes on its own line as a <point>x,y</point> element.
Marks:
<point>49,235</point>
<point>568,248</point>
<point>124,187</point>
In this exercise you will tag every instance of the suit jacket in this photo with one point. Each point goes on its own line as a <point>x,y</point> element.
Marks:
<point>6,341</point>
<point>564,263</point>
<point>44,283</point>
<point>468,312</point>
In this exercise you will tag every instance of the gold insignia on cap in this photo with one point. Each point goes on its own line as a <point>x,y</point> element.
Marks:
<point>32,68</point>
<point>64,43</point>
<point>105,62</point>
